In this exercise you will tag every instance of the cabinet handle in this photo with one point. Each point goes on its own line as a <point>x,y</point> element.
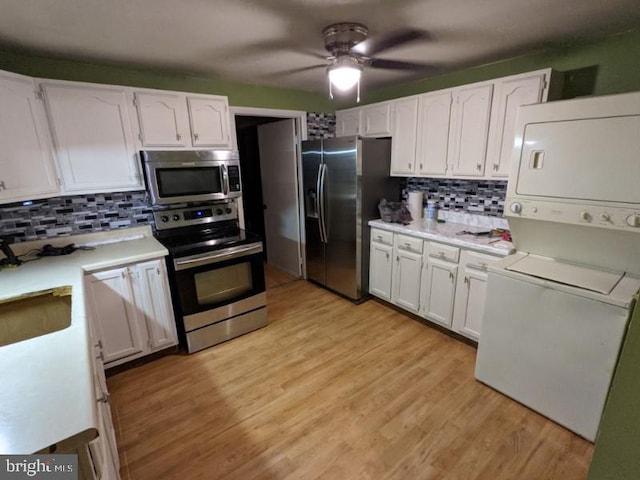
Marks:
<point>466,280</point>
<point>495,167</point>
<point>2,185</point>
<point>178,137</point>
<point>195,136</point>
<point>379,237</point>
<point>479,166</point>
<point>420,166</point>
<point>398,259</point>
<point>451,275</point>
<point>480,266</point>
<point>99,344</point>
<point>409,166</point>
<point>105,398</point>
<point>158,270</point>
<point>387,255</point>
<point>100,356</point>
<point>123,275</point>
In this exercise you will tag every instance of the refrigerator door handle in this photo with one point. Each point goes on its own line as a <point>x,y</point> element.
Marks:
<point>321,218</point>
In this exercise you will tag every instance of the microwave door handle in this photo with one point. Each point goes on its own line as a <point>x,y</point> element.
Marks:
<point>225,179</point>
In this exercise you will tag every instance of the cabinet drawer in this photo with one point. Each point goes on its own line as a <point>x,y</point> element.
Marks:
<point>381,236</point>
<point>405,242</point>
<point>444,252</point>
<point>478,261</point>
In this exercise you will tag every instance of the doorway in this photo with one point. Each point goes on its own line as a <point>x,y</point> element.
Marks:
<point>268,142</point>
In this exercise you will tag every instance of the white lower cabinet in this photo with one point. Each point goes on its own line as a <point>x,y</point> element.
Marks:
<point>131,309</point>
<point>406,272</point>
<point>438,286</point>
<point>381,263</point>
<point>440,282</point>
<point>471,293</point>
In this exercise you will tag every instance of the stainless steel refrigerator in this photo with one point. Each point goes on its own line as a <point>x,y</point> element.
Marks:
<point>344,179</point>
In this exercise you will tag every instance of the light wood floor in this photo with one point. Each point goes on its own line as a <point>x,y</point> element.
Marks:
<point>334,391</point>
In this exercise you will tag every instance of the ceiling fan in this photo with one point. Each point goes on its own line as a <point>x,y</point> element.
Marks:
<point>351,50</point>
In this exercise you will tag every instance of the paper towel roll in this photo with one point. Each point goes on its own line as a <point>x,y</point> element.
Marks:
<point>414,204</point>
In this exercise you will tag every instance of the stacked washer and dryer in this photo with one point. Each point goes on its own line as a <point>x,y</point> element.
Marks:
<point>557,310</point>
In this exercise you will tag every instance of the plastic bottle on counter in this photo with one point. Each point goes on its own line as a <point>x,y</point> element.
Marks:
<point>431,211</point>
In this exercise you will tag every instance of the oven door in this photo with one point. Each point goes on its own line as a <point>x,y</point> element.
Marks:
<point>220,283</point>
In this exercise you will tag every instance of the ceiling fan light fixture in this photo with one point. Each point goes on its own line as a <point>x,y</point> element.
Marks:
<point>344,77</point>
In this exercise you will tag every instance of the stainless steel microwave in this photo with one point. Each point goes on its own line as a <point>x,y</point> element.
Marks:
<point>191,176</point>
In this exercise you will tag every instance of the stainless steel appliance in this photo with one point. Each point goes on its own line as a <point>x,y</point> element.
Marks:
<point>191,176</point>
<point>557,310</point>
<point>344,179</point>
<point>216,273</point>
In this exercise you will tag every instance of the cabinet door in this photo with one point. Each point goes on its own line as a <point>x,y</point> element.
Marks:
<point>470,130</point>
<point>510,94</point>
<point>438,291</point>
<point>432,145</point>
<point>116,318</point>
<point>470,300</point>
<point>209,117</point>
<point>376,120</point>
<point>406,279</point>
<point>163,119</point>
<point>26,158</point>
<point>403,146</point>
<point>380,270</point>
<point>94,139</point>
<point>348,122</point>
<point>153,299</point>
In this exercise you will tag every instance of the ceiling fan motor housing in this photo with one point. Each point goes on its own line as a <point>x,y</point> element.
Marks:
<point>340,38</point>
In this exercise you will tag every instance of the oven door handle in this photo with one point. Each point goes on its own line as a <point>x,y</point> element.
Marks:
<point>217,256</point>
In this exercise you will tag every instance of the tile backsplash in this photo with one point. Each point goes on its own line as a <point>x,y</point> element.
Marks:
<point>63,216</point>
<point>320,125</point>
<point>481,197</point>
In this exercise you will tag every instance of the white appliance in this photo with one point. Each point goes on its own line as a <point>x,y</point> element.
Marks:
<point>556,311</point>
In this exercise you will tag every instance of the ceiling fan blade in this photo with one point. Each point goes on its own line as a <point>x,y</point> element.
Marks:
<point>398,65</point>
<point>371,46</point>
<point>293,71</point>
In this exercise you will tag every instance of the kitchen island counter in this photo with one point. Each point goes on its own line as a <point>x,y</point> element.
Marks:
<point>47,390</point>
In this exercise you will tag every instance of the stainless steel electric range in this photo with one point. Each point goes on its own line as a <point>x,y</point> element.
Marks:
<point>216,273</point>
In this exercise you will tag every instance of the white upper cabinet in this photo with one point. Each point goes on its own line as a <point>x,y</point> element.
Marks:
<point>209,117</point>
<point>163,119</point>
<point>348,122</point>
<point>432,144</point>
<point>179,120</point>
<point>470,119</point>
<point>375,120</point>
<point>510,94</point>
<point>93,137</point>
<point>27,168</point>
<point>403,145</point>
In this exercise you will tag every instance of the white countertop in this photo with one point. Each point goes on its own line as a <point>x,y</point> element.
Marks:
<point>47,390</point>
<point>448,233</point>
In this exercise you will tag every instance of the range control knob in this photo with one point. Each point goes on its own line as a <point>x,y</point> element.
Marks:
<point>164,218</point>
<point>176,217</point>
<point>605,217</point>
<point>516,207</point>
<point>633,220</point>
<point>227,210</point>
<point>586,216</point>
<point>219,211</point>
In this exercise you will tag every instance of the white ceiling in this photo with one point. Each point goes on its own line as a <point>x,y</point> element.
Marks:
<point>258,41</point>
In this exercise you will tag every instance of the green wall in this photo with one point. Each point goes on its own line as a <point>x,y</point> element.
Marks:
<point>617,452</point>
<point>608,65</point>
<point>240,94</point>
